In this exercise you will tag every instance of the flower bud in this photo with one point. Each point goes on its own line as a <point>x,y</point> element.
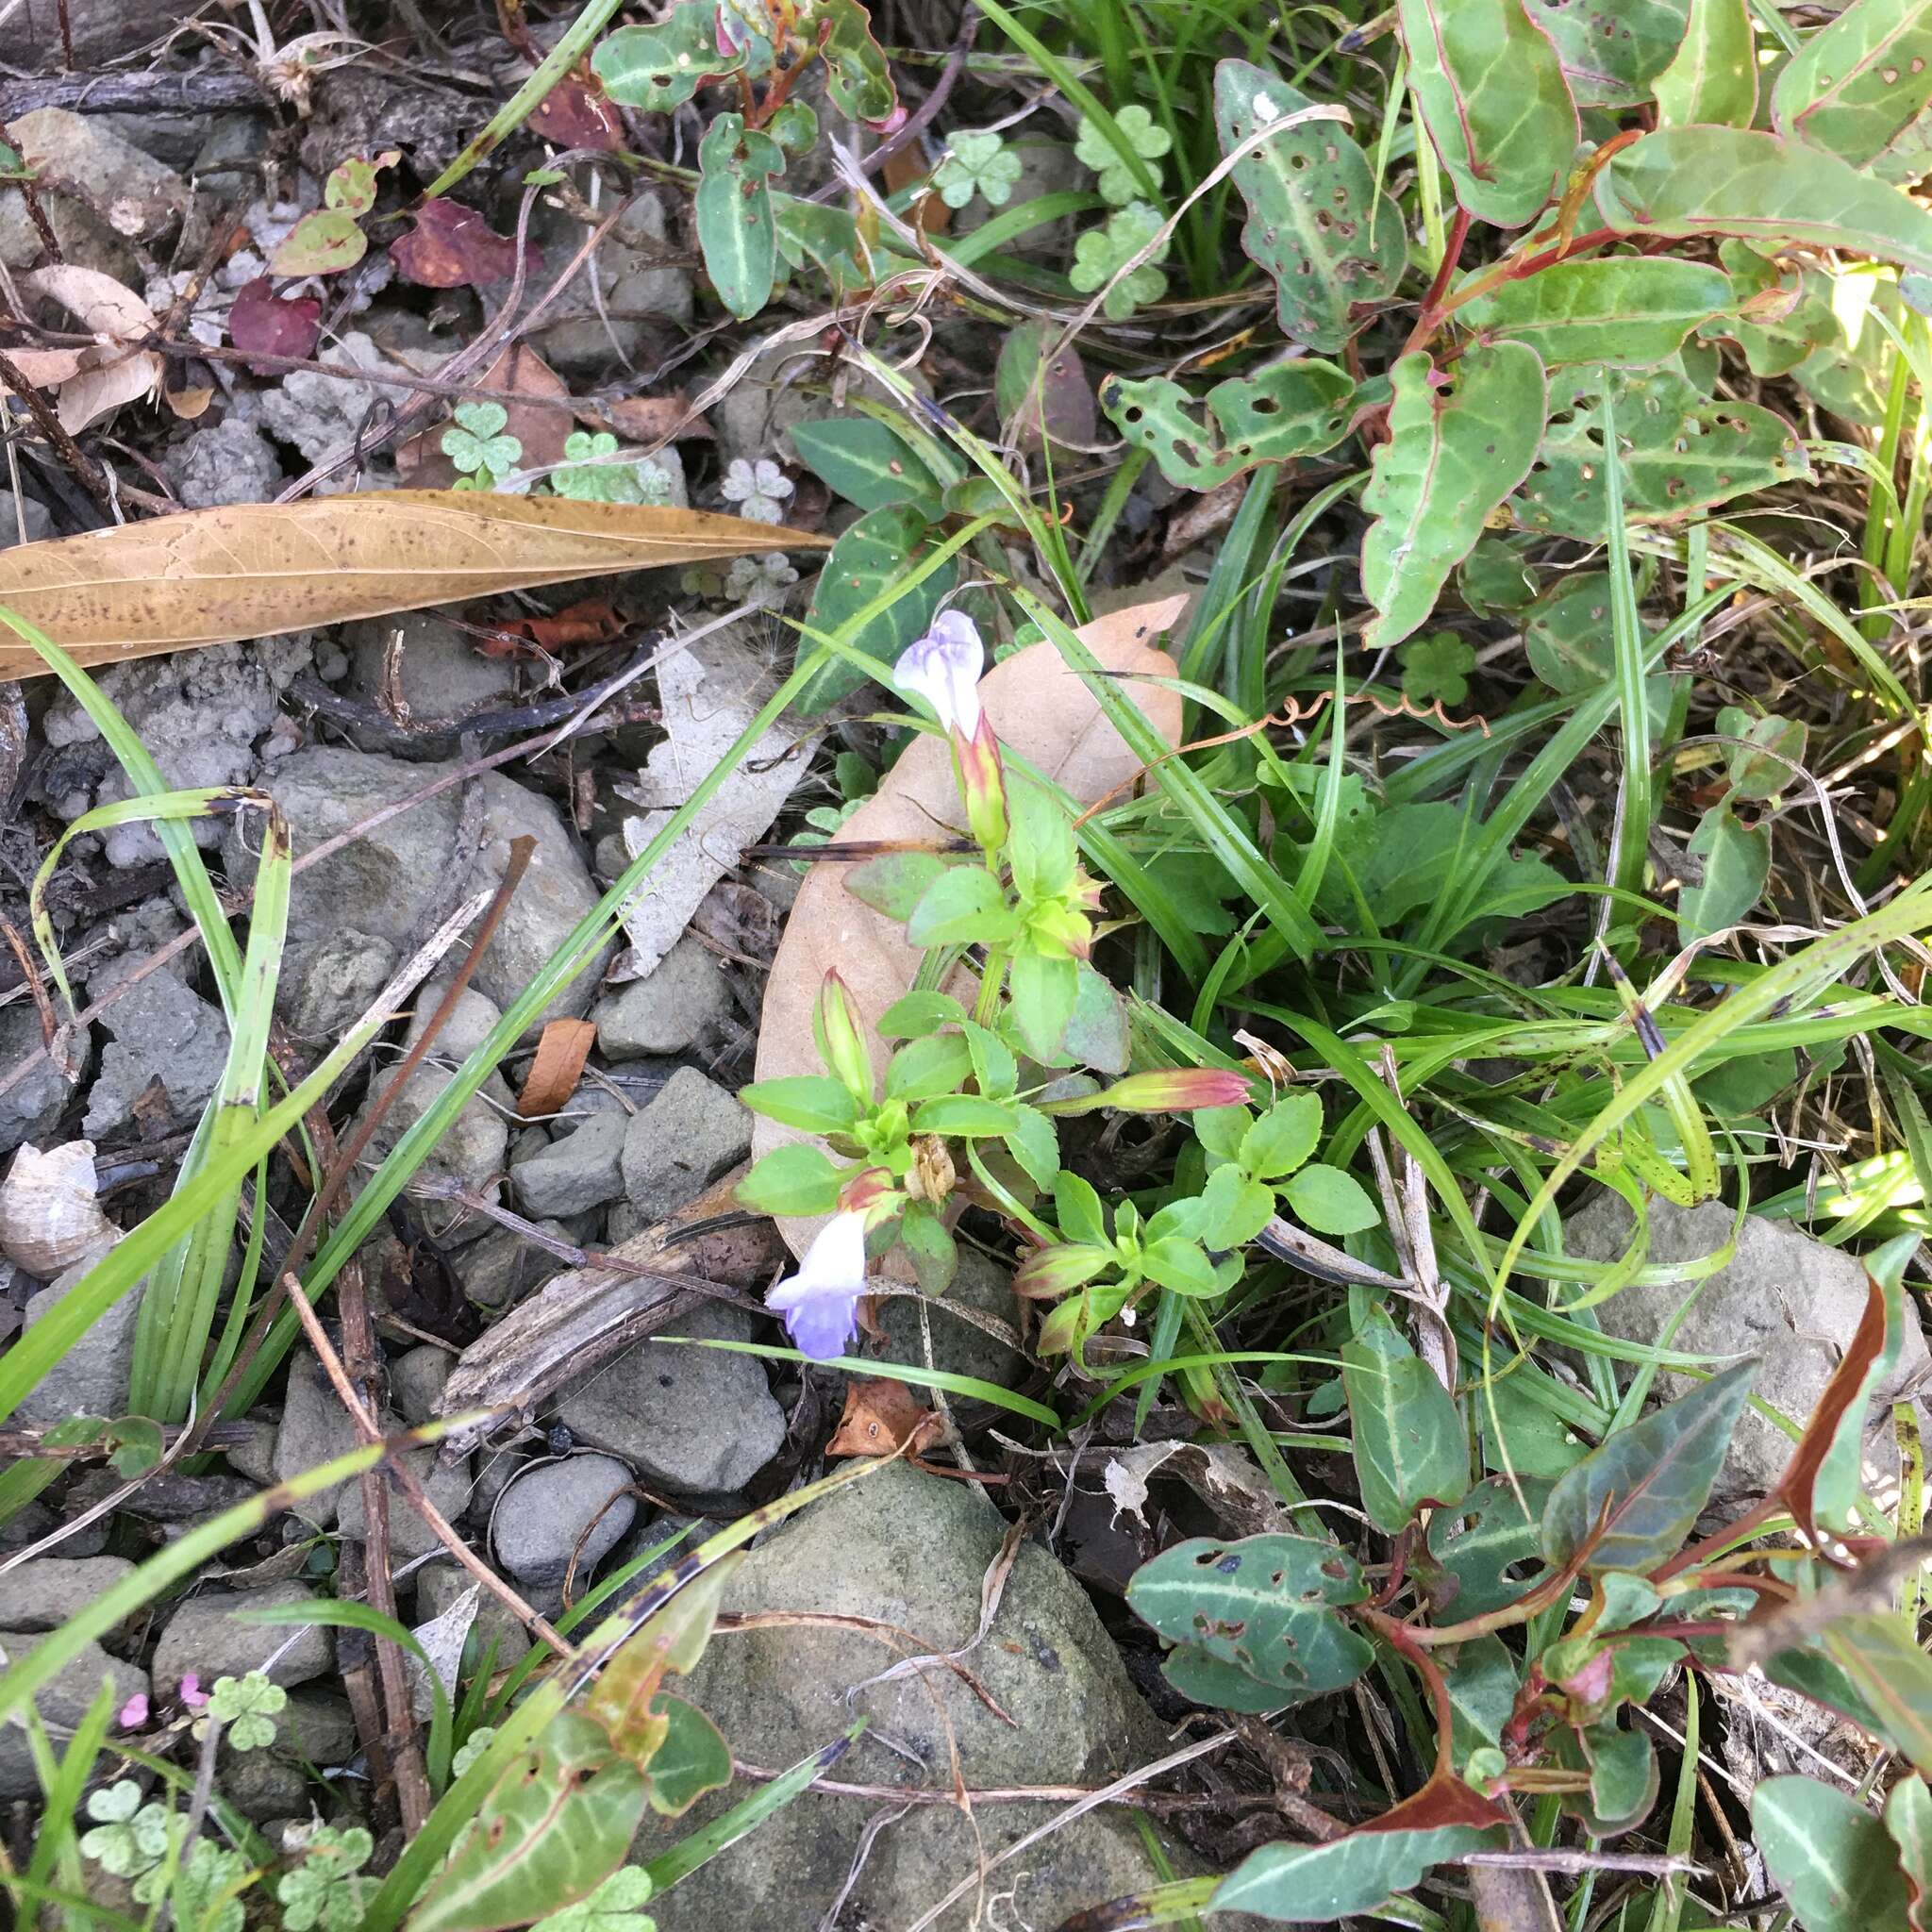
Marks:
<point>1170,1090</point>
<point>1050,1272</point>
<point>983,785</point>
<point>841,1038</point>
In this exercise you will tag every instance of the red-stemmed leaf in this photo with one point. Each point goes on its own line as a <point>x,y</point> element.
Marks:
<point>454,248</point>
<point>1842,1407</point>
<point>262,324</point>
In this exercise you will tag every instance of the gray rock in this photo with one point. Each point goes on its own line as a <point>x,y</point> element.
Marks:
<point>33,1105</point>
<point>440,1586</point>
<point>502,1268</point>
<point>315,1428</point>
<point>381,886</point>
<point>675,1008</point>
<point>142,198</point>
<point>416,1380</point>
<point>255,1456</point>
<point>62,1702</point>
<point>317,1726</point>
<point>699,1421</point>
<point>100,29</point>
<point>689,1133</point>
<point>92,1377</point>
<point>174,138</point>
<point>546,1516</point>
<point>1784,1297</point>
<point>231,461</point>
<point>783,386</point>
<point>159,1030</point>
<point>320,413</point>
<point>44,1591</point>
<point>341,973</point>
<point>447,1487</point>
<point>912,1549</point>
<point>577,1173</point>
<point>981,1286</point>
<point>205,1635</point>
<point>637,291</point>
<point>203,715</point>
<point>260,1785</point>
<point>440,674</point>
<point>14,511</point>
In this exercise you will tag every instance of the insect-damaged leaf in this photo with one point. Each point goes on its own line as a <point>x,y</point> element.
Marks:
<point>1457,447</point>
<point>1680,452</point>
<point>1632,1501</point>
<point>255,570</point>
<point>1409,1444</point>
<point>1611,50</point>
<point>1265,1607</point>
<point>1731,181</point>
<point>1494,101</point>
<point>1316,221</point>
<point>1860,81</point>
<point>1293,409</point>
<point>1628,311</point>
<point>734,211</point>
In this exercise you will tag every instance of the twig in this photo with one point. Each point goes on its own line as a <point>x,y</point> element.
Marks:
<point>190,92</point>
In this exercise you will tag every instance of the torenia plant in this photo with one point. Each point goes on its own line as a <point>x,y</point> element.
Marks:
<point>964,1112</point>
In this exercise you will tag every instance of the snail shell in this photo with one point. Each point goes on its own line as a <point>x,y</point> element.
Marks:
<point>49,1218</point>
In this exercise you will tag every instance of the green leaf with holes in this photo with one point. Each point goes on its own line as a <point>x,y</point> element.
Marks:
<point>1611,50</point>
<point>869,558</point>
<point>1265,1605</point>
<point>1487,1551</point>
<point>1293,409</point>
<point>1566,636</point>
<point>1316,221</point>
<point>1859,81</point>
<point>734,210</point>
<point>1681,452</point>
<point>856,76</point>
<point>1777,193</point>
<point>1457,446</point>
<point>1494,101</point>
<point>1712,79</point>
<point>1628,311</point>
<point>658,67</point>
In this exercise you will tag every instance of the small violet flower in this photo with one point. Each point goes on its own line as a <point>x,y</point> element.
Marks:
<point>191,1694</point>
<point>943,668</point>
<point>134,1712</point>
<point>758,490</point>
<point>821,1301</point>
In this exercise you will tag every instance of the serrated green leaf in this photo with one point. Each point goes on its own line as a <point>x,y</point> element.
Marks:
<point>1633,1500</point>
<point>1234,1209</point>
<point>1316,221</point>
<point>1044,992</point>
<point>868,558</point>
<point>1494,101</point>
<point>1859,81</point>
<point>796,1178</point>
<point>1035,1143</point>
<point>1736,860</point>
<point>1408,1440</point>
<point>967,905</point>
<point>1831,1856</point>
<point>1712,79</point>
<point>920,1011</point>
<point>1456,449</point>
<point>1265,1605</point>
<point>1776,192</point>
<point>1680,452</point>
<point>895,882</point>
<point>860,458</point>
<point>736,229</point>
<point>813,1103</point>
<point>965,1114</point>
<point>1279,1140</point>
<point>1613,50</point>
<point>1329,1200</point>
<point>924,1069</point>
<point>1077,1207</point>
<point>1627,311</point>
<point>1293,409</point>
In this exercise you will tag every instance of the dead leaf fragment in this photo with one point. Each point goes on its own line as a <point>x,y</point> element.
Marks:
<point>559,1065</point>
<point>115,371</point>
<point>255,570</point>
<point>879,1419</point>
<point>1045,715</point>
<point>648,419</point>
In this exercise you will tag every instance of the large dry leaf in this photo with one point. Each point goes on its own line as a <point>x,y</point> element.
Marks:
<point>1046,716</point>
<point>209,577</point>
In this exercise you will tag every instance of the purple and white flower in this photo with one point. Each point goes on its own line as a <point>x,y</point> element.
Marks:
<point>943,668</point>
<point>821,1301</point>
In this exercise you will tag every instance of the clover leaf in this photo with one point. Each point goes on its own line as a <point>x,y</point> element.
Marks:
<point>593,479</point>
<point>206,1885</point>
<point>247,1705</point>
<point>326,1888</point>
<point>475,443</point>
<point>1437,667</point>
<point>1118,182</point>
<point>758,490</point>
<point>613,1907</point>
<point>130,1837</point>
<point>976,165</point>
<point>1100,252</point>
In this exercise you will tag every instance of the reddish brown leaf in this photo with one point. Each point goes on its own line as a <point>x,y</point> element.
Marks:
<point>454,248</point>
<point>554,1074</point>
<point>591,621</point>
<point>1847,1383</point>
<point>647,419</point>
<point>880,1418</point>
<point>259,324</point>
<point>576,114</point>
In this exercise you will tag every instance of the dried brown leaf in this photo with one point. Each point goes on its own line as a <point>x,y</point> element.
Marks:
<point>559,1065</point>
<point>880,1418</point>
<point>646,418</point>
<point>1044,715</point>
<point>256,570</point>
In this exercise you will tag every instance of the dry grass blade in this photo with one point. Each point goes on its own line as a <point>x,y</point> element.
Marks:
<point>255,570</point>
